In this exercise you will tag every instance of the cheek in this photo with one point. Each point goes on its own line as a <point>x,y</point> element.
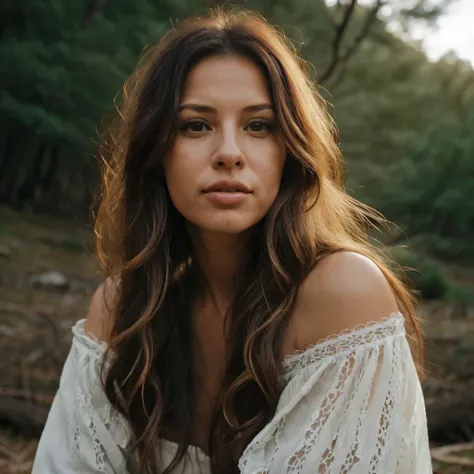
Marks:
<point>271,173</point>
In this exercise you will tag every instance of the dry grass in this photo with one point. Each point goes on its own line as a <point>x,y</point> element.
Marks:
<point>35,323</point>
<point>16,455</point>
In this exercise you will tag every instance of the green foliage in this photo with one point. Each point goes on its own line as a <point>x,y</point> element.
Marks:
<point>459,293</point>
<point>406,132</point>
<point>426,276</point>
<point>423,274</point>
<point>61,65</point>
<point>72,244</point>
<point>429,192</point>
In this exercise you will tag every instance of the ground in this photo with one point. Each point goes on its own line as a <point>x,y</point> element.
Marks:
<point>35,327</point>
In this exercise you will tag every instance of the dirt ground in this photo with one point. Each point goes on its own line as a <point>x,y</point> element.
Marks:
<point>35,324</point>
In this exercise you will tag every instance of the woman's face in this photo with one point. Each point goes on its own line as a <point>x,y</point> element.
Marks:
<point>224,171</point>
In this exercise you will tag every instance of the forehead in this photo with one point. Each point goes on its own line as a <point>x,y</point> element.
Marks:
<point>226,82</point>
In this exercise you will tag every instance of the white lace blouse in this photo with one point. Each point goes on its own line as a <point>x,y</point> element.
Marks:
<point>352,404</point>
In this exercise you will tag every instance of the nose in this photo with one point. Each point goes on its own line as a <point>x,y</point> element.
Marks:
<point>228,155</point>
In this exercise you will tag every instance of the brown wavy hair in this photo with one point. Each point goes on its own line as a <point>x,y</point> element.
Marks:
<point>143,246</point>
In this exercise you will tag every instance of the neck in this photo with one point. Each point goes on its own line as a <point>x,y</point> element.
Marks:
<point>219,257</point>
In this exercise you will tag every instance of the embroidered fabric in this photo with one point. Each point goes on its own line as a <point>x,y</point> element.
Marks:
<point>360,335</point>
<point>352,403</point>
<point>347,407</point>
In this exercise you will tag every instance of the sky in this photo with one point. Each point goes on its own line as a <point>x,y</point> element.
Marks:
<point>454,31</point>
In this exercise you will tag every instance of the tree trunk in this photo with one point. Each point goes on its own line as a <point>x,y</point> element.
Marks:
<point>9,171</point>
<point>29,178</point>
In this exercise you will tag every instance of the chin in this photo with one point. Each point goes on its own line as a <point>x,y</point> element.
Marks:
<point>229,226</point>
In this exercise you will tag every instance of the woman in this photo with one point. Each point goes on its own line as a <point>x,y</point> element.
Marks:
<point>246,324</point>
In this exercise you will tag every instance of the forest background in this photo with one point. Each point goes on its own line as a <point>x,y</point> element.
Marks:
<point>405,127</point>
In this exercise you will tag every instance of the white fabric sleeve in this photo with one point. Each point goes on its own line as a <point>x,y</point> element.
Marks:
<point>352,404</point>
<point>83,434</point>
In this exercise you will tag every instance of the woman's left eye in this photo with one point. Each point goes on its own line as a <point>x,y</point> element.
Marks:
<point>260,126</point>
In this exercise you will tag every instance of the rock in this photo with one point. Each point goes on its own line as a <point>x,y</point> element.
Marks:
<point>14,244</point>
<point>6,330</point>
<point>69,299</point>
<point>52,279</point>
<point>66,324</point>
<point>5,251</point>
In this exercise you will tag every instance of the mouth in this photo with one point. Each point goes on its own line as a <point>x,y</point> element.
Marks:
<point>227,194</point>
<point>228,187</point>
<point>224,191</point>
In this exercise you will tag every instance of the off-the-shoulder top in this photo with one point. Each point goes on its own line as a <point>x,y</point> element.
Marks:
<point>352,403</point>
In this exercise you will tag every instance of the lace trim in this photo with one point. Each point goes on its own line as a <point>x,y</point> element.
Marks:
<point>94,397</point>
<point>346,340</point>
<point>83,419</point>
<point>87,338</point>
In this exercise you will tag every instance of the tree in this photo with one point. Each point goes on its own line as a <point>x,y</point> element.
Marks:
<point>62,63</point>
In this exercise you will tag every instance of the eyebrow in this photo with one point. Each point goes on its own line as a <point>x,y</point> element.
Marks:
<point>207,109</point>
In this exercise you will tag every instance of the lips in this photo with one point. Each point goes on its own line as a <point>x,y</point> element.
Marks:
<point>228,186</point>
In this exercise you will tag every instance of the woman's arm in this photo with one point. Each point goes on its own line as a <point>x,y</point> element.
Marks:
<point>100,316</point>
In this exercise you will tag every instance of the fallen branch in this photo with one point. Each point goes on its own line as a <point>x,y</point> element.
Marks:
<point>24,417</point>
<point>37,398</point>
<point>447,454</point>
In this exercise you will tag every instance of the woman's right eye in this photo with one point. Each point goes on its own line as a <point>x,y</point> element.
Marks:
<point>194,126</point>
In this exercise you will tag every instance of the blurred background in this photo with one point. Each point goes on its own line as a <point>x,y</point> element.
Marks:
<point>399,75</point>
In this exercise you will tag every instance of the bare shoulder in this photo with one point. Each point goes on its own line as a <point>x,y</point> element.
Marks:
<point>344,290</point>
<point>99,318</point>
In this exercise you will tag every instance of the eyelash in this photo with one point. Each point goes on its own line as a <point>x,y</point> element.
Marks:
<point>268,123</point>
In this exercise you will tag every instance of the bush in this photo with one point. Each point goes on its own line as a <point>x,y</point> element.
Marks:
<point>422,273</point>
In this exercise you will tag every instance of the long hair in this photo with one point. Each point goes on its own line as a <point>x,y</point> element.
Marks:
<point>143,246</point>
